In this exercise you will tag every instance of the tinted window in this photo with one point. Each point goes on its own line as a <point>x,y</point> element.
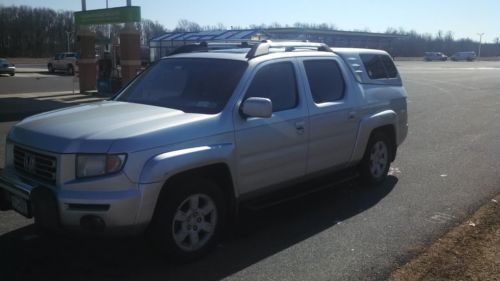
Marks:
<point>374,66</point>
<point>392,72</point>
<point>190,85</point>
<point>325,80</point>
<point>277,83</point>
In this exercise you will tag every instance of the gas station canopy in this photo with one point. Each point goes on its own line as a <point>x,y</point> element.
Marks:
<point>110,15</point>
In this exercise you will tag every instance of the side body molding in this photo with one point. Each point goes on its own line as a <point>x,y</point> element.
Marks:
<point>160,167</point>
<point>366,126</point>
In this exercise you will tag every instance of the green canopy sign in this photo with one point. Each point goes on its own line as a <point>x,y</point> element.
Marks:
<point>111,15</point>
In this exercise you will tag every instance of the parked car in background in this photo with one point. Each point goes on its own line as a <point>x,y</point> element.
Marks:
<point>435,56</point>
<point>7,68</point>
<point>466,56</point>
<point>64,62</point>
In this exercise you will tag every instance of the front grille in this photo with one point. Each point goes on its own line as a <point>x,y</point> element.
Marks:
<point>39,166</point>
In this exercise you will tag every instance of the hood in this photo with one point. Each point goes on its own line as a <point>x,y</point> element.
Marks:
<point>93,128</point>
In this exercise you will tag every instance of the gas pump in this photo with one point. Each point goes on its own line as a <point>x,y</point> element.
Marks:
<point>108,76</point>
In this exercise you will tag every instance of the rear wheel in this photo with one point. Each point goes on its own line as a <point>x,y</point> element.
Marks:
<point>50,68</point>
<point>377,159</point>
<point>188,220</point>
<point>12,74</point>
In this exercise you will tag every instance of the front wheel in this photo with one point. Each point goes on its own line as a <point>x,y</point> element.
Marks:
<point>188,220</point>
<point>377,159</point>
<point>70,70</point>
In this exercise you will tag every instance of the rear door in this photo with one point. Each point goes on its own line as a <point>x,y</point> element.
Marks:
<point>332,115</point>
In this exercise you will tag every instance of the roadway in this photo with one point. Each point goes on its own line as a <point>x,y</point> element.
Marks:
<point>445,170</point>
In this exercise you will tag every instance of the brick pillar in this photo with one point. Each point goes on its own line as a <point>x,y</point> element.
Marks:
<point>130,52</point>
<point>86,63</point>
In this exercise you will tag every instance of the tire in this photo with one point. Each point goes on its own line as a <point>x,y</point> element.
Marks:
<point>377,159</point>
<point>12,74</point>
<point>70,70</point>
<point>188,220</point>
<point>50,68</point>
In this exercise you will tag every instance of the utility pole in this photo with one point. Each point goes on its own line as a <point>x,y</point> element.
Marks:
<point>67,39</point>
<point>480,41</point>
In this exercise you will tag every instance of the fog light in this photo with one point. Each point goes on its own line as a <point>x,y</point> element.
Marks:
<point>92,223</point>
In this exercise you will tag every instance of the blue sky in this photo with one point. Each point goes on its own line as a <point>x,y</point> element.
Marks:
<point>464,18</point>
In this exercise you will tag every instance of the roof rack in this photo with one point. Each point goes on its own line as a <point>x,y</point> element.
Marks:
<point>205,47</point>
<point>265,47</point>
<point>256,48</point>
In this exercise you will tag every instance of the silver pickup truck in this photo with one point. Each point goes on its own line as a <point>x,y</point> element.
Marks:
<point>66,62</point>
<point>177,151</point>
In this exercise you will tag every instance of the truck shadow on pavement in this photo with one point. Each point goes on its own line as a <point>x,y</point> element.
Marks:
<point>256,236</point>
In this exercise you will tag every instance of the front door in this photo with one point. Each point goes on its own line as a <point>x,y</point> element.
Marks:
<point>272,150</point>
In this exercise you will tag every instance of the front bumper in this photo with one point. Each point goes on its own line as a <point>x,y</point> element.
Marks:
<point>54,208</point>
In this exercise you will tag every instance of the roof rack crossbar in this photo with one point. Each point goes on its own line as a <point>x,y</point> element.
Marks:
<point>264,47</point>
<point>208,46</point>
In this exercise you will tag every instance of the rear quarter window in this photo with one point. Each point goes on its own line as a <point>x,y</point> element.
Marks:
<point>390,68</point>
<point>379,66</point>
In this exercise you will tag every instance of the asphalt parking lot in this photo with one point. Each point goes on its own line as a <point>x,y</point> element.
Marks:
<point>445,170</point>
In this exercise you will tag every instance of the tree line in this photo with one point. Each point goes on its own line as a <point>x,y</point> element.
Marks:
<point>41,32</point>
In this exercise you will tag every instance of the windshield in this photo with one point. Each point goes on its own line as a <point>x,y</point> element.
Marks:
<point>190,85</point>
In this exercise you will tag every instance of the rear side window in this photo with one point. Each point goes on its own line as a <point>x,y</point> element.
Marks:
<point>325,80</point>
<point>379,66</point>
<point>276,82</point>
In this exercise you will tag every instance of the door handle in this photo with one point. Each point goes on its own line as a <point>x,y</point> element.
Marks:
<point>352,115</point>
<point>300,126</point>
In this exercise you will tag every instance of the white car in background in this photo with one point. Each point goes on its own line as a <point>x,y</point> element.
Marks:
<point>466,56</point>
<point>435,56</point>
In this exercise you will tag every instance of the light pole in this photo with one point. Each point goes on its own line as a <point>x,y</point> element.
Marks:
<point>67,39</point>
<point>479,50</point>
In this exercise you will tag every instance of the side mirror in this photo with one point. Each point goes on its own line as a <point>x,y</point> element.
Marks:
<point>257,107</point>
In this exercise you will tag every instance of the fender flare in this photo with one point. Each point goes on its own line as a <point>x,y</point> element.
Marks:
<point>366,126</point>
<point>161,167</point>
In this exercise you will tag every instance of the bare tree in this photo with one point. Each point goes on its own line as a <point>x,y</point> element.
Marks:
<point>184,25</point>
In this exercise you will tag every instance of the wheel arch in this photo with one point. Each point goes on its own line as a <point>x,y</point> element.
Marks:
<point>384,122</point>
<point>219,173</point>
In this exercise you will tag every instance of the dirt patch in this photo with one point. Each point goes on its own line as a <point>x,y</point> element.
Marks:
<point>470,251</point>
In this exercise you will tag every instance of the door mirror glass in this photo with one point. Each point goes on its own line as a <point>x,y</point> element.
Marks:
<point>257,107</point>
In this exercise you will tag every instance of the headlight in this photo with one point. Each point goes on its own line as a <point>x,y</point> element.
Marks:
<point>91,165</point>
